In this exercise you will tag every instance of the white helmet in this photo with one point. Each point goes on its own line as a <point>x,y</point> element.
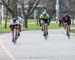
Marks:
<point>44,12</point>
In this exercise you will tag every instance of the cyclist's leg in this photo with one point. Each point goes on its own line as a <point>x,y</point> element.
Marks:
<point>69,27</point>
<point>46,23</point>
<point>42,25</point>
<point>12,36</point>
<point>16,35</point>
<point>12,31</point>
<point>46,26</point>
<point>18,30</point>
<point>68,31</point>
<point>64,26</point>
<point>20,27</point>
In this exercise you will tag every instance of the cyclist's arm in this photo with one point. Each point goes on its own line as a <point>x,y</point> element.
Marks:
<point>40,18</point>
<point>69,21</point>
<point>40,21</point>
<point>49,20</point>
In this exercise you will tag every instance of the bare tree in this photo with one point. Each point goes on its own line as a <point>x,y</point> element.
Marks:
<point>32,6</point>
<point>27,12</point>
<point>7,6</point>
<point>12,10</point>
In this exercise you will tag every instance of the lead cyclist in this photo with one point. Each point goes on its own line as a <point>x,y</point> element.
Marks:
<point>15,26</point>
<point>44,19</point>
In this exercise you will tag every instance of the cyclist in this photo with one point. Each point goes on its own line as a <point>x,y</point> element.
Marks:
<point>67,21</point>
<point>44,19</point>
<point>15,26</point>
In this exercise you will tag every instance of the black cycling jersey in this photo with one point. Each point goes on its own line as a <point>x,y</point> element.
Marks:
<point>67,19</point>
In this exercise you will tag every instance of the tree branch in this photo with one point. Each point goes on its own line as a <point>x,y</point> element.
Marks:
<point>35,5</point>
<point>7,7</point>
<point>31,4</point>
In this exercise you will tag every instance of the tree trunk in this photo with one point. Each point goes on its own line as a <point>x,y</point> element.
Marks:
<point>6,16</point>
<point>6,19</point>
<point>26,22</point>
<point>30,10</point>
<point>23,14</point>
<point>14,8</point>
<point>25,17</point>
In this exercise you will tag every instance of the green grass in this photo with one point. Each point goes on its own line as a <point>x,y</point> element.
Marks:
<point>73,30</point>
<point>2,28</point>
<point>35,26</point>
<point>30,26</point>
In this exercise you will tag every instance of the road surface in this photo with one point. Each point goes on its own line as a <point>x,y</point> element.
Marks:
<point>31,45</point>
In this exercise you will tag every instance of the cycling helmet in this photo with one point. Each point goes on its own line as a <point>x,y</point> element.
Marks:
<point>14,20</point>
<point>44,12</point>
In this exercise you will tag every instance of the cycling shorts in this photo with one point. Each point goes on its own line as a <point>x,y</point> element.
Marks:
<point>45,21</point>
<point>15,26</point>
<point>67,21</point>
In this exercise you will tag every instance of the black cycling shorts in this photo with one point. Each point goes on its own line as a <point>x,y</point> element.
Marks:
<point>16,26</point>
<point>68,22</point>
<point>45,21</point>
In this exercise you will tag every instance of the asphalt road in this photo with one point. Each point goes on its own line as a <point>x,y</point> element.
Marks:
<point>31,45</point>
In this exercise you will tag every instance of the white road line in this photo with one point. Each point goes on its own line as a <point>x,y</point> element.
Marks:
<point>7,51</point>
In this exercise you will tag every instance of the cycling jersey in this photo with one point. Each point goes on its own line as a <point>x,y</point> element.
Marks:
<point>15,25</point>
<point>67,19</point>
<point>45,18</point>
